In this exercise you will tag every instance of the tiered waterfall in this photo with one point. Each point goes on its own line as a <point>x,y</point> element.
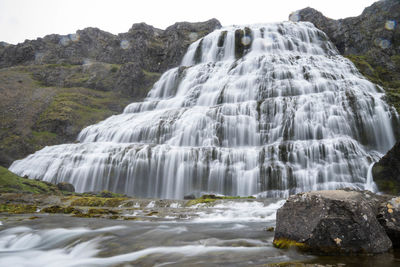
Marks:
<point>270,109</point>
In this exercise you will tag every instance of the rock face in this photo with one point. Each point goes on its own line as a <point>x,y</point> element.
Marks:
<point>339,221</point>
<point>52,87</point>
<point>154,49</point>
<point>386,171</point>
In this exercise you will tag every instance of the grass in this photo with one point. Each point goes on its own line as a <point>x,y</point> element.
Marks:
<point>12,183</point>
<point>79,107</point>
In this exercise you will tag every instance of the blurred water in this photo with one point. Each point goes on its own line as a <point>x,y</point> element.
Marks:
<point>269,109</point>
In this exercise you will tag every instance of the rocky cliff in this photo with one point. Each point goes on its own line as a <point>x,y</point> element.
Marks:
<point>52,87</point>
<point>372,42</point>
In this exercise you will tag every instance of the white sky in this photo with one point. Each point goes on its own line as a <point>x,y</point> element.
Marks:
<point>29,19</point>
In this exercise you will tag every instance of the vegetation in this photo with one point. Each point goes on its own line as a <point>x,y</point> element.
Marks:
<point>206,199</point>
<point>287,243</point>
<point>12,183</point>
<point>77,108</point>
<point>95,201</point>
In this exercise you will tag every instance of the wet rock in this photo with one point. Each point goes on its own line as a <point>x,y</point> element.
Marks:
<point>386,172</point>
<point>389,218</point>
<point>332,222</point>
<point>189,197</point>
<point>66,187</point>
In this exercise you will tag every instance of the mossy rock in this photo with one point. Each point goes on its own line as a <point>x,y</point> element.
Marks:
<point>211,198</point>
<point>97,201</point>
<point>59,209</point>
<point>17,208</point>
<point>12,183</point>
<point>200,201</point>
<point>285,243</point>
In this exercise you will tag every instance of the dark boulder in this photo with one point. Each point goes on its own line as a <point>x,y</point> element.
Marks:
<point>386,172</point>
<point>389,218</point>
<point>63,186</point>
<point>333,222</point>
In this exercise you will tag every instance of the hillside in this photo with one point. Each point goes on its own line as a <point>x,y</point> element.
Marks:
<point>52,87</point>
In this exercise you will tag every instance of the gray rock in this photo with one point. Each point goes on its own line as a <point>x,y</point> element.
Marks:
<point>389,218</point>
<point>331,222</point>
<point>386,171</point>
<point>66,187</point>
<point>153,49</point>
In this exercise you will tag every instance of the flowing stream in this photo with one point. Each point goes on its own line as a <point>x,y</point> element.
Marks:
<point>231,233</point>
<point>268,109</point>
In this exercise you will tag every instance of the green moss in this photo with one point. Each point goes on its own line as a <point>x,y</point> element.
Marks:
<point>12,183</point>
<point>40,139</point>
<point>287,243</point>
<point>114,68</point>
<point>360,61</point>
<point>58,209</point>
<point>200,201</point>
<point>205,199</point>
<point>77,108</point>
<point>388,186</point>
<point>97,201</point>
<point>17,208</point>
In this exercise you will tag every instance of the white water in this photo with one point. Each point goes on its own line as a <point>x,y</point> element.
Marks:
<point>196,240</point>
<point>289,115</point>
<point>233,211</point>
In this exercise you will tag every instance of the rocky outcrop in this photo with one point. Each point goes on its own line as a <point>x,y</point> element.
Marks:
<point>360,35</point>
<point>154,49</point>
<point>371,41</point>
<point>52,87</point>
<point>339,221</point>
<point>386,172</point>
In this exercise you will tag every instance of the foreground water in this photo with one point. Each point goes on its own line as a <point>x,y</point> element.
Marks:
<point>228,234</point>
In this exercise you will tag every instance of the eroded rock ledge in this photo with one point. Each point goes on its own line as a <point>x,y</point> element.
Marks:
<point>339,222</point>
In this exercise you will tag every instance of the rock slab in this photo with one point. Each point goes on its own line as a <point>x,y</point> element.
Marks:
<point>339,222</point>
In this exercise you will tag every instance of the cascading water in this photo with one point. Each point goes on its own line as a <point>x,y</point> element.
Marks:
<point>271,109</point>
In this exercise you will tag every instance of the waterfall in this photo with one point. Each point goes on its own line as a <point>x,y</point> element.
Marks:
<point>269,109</point>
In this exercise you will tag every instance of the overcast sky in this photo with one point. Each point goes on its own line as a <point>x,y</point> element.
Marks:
<point>29,19</point>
